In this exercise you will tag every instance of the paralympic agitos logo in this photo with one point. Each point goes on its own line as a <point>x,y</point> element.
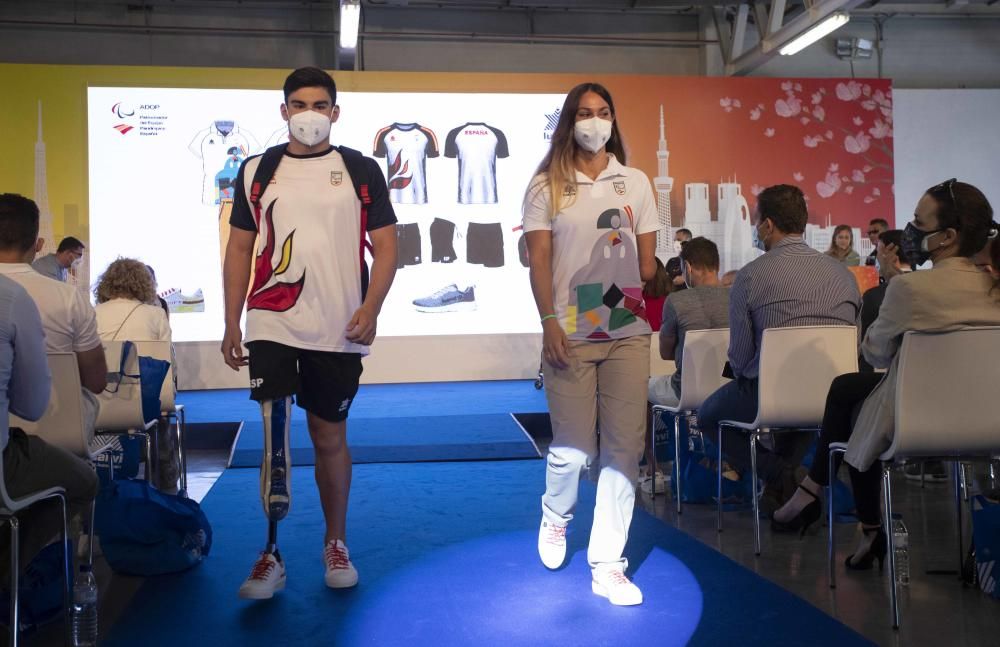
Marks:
<point>122,111</point>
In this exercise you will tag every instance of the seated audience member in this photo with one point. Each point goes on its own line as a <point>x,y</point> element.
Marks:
<point>842,246</point>
<point>729,278</point>
<point>875,228</point>
<point>654,293</point>
<point>890,265</point>
<point>951,223</point>
<point>125,296</point>
<point>703,306</point>
<point>56,266</point>
<point>790,285</point>
<point>68,320</point>
<point>160,301</point>
<point>681,237</point>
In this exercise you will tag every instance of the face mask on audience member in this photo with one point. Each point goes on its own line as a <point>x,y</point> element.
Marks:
<point>914,248</point>
<point>677,247</point>
<point>755,238</point>
<point>310,127</point>
<point>592,134</point>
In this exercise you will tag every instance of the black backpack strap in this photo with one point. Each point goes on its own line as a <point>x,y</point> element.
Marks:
<point>357,168</point>
<point>269,161</point>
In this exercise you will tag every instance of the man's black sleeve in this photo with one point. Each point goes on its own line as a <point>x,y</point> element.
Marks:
<point>242,215</point>
<point>380,212</point>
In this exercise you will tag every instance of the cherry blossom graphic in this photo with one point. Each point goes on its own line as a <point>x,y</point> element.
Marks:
<point>769,132</point>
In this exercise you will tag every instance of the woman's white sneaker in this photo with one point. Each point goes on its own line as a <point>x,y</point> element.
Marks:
<point>610,582</point>
<point>340,572</point>
<point>267,576</point>
<point>552,544</point>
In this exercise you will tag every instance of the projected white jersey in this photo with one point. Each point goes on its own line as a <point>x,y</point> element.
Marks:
<point>212,146</point>
<point>477,147</point>
<point>406,148</point>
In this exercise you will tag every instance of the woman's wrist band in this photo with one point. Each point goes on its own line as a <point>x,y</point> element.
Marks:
<point>542,320</point>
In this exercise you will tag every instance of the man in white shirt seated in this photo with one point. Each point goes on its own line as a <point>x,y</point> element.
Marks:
<point>29,463</point>
<point>56,266</point>
<point>68,319</point>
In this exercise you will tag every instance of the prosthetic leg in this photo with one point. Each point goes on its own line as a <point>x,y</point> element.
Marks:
<point>275,470</point>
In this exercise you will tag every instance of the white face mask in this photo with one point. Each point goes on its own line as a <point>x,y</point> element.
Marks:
<point>592,134</point>
<point>758,242</point>
<point>309,127</point>
<point>677,247</point>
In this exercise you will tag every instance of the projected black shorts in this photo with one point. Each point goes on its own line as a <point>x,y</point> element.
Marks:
<point>324,384</point>
<point>484,244</point>
<point>408,245</point>
<point>442,241</point>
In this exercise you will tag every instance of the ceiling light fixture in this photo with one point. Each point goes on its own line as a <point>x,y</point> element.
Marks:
<point>350,18</point>
<point>814,33</point>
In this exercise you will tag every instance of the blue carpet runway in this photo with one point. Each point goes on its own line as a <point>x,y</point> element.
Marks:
<point>446,554</point>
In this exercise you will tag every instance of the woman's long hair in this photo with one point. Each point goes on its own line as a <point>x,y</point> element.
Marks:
<point>834,250</point>
<point>660,285</point>
<point>558,169</point>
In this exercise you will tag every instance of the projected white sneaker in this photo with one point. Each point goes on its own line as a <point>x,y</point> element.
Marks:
<point>552,544</point>
<point>267,576</point>
<point>340,572</point>
<point>610,582</point>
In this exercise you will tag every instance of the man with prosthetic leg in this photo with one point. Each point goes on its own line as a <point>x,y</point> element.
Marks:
<point>303,215</point>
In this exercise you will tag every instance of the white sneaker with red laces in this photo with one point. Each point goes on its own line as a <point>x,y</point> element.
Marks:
<point>610,582</point>
<point>552,544</point>
<point>340,572</point>
<point>267,576</point>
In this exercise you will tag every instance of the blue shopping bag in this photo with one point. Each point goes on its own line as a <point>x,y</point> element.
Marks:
<point>986,538</point>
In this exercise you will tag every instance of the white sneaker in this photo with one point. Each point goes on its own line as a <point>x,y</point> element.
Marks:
<point>610,582</point>
<point>552,544</point>
<point>340,572</point>
<point>267,576</point>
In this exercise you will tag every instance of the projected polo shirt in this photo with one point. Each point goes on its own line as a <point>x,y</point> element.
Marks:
<point>595,261</point>
<point>307,278</point>
<point>406,148</point>
<point>213,147</point>
<point>477,147</point>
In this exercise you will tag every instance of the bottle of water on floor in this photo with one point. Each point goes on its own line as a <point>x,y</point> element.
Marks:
<point>84,611</point>
<point>901,544</point>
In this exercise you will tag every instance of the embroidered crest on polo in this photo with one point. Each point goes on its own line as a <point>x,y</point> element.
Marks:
<point>569,190</point>
<point>336,178</point>
<point>620,187</point>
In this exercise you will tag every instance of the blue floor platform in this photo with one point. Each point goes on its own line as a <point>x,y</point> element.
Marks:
<point>446,554</point>
<point>394,422</point>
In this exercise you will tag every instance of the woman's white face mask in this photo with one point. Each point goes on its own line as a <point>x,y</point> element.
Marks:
<point>592,134</point>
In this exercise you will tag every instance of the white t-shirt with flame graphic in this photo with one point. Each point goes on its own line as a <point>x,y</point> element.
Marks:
<point>406,148</point>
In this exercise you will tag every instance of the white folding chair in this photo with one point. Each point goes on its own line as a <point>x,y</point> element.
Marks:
<point>63,425</point>
<point>121,408</point>
<point>701,375</point>
<point>797,365</point>
<point>946,407</point>
<point>170,409</point>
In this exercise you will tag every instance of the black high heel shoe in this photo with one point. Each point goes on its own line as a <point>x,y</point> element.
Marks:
<point>877,551</point>
<point>800,523</point>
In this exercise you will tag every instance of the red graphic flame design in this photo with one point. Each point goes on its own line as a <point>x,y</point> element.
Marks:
<point>398,178</point>
<point>280,296</point>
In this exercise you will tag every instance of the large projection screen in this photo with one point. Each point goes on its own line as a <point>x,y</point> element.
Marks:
<point>163,161</point>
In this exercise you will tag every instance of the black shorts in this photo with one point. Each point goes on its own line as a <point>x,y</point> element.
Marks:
<point>442,241</point>
<point>408,245</point>
<point>323,383</point>
<point>484,244</point>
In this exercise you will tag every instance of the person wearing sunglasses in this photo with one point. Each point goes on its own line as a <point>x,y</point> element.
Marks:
<point>951,223</point>
<point>876,227</point>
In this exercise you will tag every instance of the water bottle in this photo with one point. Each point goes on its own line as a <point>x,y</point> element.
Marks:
<point>901,546</point>
<point>84,610</point>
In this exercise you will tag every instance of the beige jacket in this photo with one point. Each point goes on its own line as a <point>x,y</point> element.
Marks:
<point>954,294</point>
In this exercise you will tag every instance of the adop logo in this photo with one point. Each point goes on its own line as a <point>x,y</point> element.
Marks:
<point>123,111</point>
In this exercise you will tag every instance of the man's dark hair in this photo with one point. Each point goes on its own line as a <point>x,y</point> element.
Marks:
<point>701,253</point>
<point>882,222</point>
<point>68,243</point>
<point>893,237</point>
<point>18,222</point>
<point>310,77</point>
<point>785,206</point>
<point>684,230</point>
